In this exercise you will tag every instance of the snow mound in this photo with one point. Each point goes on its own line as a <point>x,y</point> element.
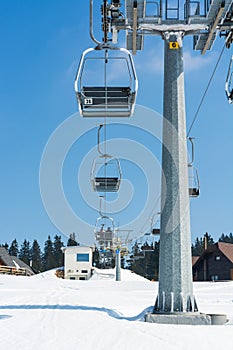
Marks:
<point>99,274</point>
<point>126,275</point>
<point>47,274</point>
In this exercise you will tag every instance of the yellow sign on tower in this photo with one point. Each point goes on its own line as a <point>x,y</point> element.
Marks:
<point>173,45</point>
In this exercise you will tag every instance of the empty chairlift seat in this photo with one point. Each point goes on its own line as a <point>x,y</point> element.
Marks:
<point>194,192</point>
<point>106,83</point>
<point>106,184</point>
<point>194,185</point>
<point>106,174</point>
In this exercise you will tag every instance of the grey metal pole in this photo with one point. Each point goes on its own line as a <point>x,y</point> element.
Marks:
<point>118,264</point>
<point>175,265</point>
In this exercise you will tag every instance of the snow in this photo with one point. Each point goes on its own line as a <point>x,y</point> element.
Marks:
<point>16,265</point>
<point>45,312</point>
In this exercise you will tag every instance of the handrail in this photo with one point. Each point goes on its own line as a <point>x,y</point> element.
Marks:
<point>91,25</point>
<point>13,270</point>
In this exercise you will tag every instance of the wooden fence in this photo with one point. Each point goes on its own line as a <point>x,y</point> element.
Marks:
<point>12,270</point>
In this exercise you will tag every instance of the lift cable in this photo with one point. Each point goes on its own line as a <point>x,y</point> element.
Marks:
<point>208,85</point>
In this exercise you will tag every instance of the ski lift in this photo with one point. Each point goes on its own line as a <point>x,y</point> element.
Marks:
<point>106,83</point>
<point>106,174</point>
<point>105,171</point>
<point>194,183</point>
<point>155,231</point>
<point>147,248</point>
<point>229,82</point>
<point>149,240</point>
<point>104,234</point>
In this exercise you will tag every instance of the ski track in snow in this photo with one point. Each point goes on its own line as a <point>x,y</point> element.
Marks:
<point>44,312</point>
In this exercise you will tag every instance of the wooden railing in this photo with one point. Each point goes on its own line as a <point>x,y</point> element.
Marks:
<point>12,270</point>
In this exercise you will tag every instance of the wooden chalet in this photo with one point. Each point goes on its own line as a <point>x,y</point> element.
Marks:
<point>11,265</point>
<point>215,263</point>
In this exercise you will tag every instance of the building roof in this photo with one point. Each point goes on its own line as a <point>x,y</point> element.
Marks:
<point>76,248</point>
<point>225,248</point>
<point>5,257</point>
<point>20,263</point>
<point>194,259</point>
<point>13,261</point>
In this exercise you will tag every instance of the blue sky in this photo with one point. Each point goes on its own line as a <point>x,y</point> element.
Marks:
<point>41,44</point>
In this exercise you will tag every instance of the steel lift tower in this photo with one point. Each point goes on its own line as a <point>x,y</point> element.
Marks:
<point>172,20</point>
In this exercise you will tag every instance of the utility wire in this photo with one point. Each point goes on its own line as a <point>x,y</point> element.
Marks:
<point>205,92</point>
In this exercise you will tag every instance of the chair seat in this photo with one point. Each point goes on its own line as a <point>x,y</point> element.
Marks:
<point>106,184</point>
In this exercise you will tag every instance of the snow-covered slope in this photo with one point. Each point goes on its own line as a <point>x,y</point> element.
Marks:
<point>44,312</point>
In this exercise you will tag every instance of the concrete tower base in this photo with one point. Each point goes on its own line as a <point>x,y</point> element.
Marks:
<point>186,318</point>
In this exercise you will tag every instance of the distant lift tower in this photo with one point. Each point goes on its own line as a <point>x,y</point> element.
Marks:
<point>172,20</point>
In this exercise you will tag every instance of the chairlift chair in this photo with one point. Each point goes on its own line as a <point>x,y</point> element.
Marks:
<point>108,94</point>
<point>155,231</point>
<point>194,184</point>
<point>106,174</point>
<point>147,248</point>
<point>229,82</point>
<point>104,236</point>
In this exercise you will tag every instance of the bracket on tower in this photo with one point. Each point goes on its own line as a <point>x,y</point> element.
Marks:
<point>213,29</point>
<point>216,14</point>
<point>201,19</point>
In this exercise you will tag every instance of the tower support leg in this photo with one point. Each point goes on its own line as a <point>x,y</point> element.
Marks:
<point>175,266</point>
<point>118,265</point>
<point>175,295</point>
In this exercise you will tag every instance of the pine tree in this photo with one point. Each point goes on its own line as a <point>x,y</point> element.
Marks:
<point>226,238</point>
<point>135,249</point>
<point>72,240</point>
<point>24,253</point>
<point>222,238</point>
<point>14,248</point>
<point>198,247</point>
<point>231,237</point>
<point>48,260</point>
<point>210,240</point>
<point>58,254</point>
<point>5,245</point>
<point>36,256</point>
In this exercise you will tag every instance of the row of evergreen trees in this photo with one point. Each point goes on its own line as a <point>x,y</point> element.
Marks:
<point>142,260</point>
<point>199,246</point>
<point>51,256</point>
